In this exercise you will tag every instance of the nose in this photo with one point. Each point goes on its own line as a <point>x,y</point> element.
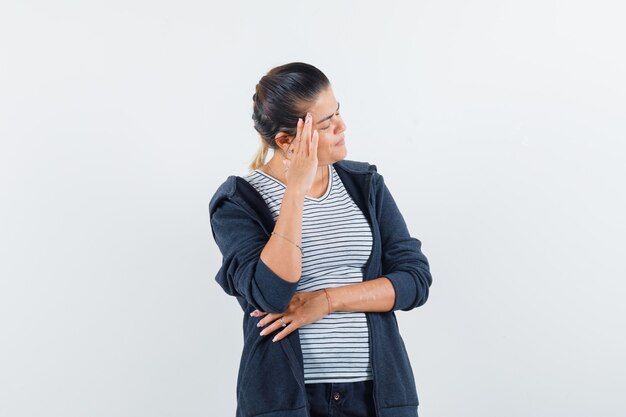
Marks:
<point>340,126</point>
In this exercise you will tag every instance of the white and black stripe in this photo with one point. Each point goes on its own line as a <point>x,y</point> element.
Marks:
<point>336,243</point>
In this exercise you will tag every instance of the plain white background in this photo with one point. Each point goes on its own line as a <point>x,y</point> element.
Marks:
<point>498,126</point>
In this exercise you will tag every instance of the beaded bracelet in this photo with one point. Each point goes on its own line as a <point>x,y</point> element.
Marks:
<point>298,246</point>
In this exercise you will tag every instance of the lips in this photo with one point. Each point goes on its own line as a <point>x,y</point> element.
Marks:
<point>342,141</point>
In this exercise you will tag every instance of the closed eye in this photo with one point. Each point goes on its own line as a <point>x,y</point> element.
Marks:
<point>324,128</point>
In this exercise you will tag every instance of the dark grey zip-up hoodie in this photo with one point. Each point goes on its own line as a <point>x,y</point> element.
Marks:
<point>270,382</point>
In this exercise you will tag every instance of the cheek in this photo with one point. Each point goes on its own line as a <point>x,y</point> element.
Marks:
<point>324,142</point>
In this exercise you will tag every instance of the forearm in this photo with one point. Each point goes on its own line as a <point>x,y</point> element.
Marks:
<point>377,295</point>
<point>280,253</point>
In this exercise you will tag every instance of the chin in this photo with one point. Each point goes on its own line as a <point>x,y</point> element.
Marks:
<point>339,156</point>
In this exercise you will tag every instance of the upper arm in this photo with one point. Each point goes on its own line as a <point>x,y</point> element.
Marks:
<point>241,240</point>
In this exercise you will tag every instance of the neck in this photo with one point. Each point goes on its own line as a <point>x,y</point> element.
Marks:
<point>275,168</point>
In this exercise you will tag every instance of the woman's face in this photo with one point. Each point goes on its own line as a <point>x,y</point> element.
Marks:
<point>330,126</point>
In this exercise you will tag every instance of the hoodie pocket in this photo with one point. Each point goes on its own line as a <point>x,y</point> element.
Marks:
<point>268,382</point>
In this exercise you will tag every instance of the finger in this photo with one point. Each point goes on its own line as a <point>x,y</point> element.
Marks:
<point>285,332</point>
<point>299,126</point>
<point>306,134</point>
<point>294,143</point>
<point>277,324</point>
<point>257,313</point>
<point>313,144</point>
<point>267,319</point>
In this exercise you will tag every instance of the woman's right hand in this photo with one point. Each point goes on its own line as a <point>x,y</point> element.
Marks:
<point>301,168</point>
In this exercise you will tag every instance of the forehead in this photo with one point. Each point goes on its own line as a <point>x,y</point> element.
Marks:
<point>324,105</point>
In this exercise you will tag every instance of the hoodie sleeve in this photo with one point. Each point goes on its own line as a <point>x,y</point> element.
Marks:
<point>243,274</point>
<point>403,262</point>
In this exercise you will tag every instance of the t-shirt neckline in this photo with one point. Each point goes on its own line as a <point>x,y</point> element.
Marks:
<point>324,196</point>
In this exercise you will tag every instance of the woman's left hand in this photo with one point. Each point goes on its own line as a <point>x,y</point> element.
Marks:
<point>304,308</point>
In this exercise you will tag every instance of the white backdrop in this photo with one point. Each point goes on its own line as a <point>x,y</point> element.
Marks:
<point>499,128</point>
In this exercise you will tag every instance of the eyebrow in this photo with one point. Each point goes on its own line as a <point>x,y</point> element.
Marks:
<point>328,117</point>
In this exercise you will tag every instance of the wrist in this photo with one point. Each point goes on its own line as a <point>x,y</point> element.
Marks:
<point>329,300</point>
<point>294,193</point>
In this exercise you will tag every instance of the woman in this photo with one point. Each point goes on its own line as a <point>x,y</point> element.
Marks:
<point>319,257</point>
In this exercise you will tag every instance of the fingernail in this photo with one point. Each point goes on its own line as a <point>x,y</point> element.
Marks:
<point>261,334</point>
<point>274,339</point>
<point>253,314</point>
<point>259,324</point>
<point>299,121</point>
<point>308,117</point>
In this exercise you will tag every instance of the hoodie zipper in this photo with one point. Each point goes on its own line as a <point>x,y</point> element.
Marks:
<point>367,315</point>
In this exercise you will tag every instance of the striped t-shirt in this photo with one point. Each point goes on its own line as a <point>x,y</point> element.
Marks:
<point>336,244</point>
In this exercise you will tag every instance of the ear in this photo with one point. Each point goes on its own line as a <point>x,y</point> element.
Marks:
<point>283,140</point>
